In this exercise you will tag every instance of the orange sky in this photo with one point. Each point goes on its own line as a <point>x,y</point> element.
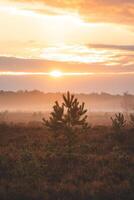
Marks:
<point>76,36</point>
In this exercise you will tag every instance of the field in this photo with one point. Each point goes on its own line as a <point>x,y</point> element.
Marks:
<point>66,99</point>
<point>94,118</point>
<point>37,164</point>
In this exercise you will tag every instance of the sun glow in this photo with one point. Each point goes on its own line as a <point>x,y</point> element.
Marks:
<point>56,74</point>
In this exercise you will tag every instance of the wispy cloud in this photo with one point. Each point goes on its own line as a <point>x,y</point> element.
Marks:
<point>116,11</point>
<point>76,53</point>
<point>108,55</point>
<point>118,47</point>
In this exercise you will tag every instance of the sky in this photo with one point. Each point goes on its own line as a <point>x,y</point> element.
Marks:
<point>59,45</point>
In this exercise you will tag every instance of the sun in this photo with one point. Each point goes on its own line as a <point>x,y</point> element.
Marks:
<point>56,74</point>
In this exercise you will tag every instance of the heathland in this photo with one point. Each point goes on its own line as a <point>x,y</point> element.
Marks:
<point>96,162</point>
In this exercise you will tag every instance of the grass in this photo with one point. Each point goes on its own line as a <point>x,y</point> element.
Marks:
<point>36,165</point>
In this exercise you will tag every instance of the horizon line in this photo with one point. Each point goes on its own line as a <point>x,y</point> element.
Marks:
<point>58,74</point>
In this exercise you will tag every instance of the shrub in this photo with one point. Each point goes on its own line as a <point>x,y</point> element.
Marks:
<point>132,120</point>
<point>118,124</point>
<point>68,116</point>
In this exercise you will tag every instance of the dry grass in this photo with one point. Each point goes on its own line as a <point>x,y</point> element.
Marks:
<point>35,165</point>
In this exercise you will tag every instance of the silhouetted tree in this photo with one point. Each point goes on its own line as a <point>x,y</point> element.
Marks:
<point>119,122</point>
<point>132,120</point>
<point>68,116</point>
<point>118,125</point>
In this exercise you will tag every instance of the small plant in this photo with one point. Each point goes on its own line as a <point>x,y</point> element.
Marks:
<point>68,116</point>
<point>55,121</point>
<point>118,124</point>
<point>132,120</point>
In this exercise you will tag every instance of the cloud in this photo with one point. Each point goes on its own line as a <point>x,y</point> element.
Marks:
<point>74,58</point>
<point>75,53</point>
<point>115,11</point>
<point>109,82</point>
<point>118,47</point>
<point>90,56</point>
<point>100,54</point>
